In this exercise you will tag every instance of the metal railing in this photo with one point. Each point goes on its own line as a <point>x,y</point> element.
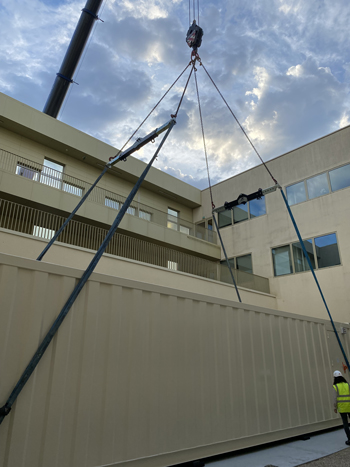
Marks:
<point>37,223</point>
<point>42,224</point>
<point>39,173</point>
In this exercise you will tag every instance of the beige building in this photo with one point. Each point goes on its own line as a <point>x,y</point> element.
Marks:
<point>260,238</point>
<point>157,362</point>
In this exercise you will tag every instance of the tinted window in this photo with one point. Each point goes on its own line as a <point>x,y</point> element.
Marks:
<point>240,213</point>
<point>257,207</point>
<point>327,251</point>
<point>340,178</point>
<point>300,261</point>
<point>224,218</point>
<point>282,263</point>
<point>317,186</point>
<point>244,263</point>
<point>296,193</point>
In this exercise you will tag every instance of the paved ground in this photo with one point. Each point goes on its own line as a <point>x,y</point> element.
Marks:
<point>339,459</point>
<point>326,449</point>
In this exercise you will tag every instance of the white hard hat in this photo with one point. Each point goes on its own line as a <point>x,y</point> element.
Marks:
<point>337,373</point>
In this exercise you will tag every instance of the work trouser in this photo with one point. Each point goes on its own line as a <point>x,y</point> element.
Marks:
<point>344,417</point>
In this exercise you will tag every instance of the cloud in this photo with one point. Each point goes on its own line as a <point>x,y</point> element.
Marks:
<point>291,109</point>
<point>283,66</point>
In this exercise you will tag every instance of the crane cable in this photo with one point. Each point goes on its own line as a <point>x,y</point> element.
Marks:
<point>5,410</point>
<point>289,212</point>
<point>241,127</point>
<point>194,11</point>
<point>211,193</point>
<point>185,88</point>
<point>87,194</point>
<point>160,100</point>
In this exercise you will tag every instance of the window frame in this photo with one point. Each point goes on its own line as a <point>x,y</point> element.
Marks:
<point>53,181</point>
<point>171,219</point>
<point>27,168</point>
<point>145,215</point>
<point>249,218</point>
<point>329,174</point>
<point>329,183</point>
<point>314,252</point>
<point>109,201</point>
<point>234,258</point>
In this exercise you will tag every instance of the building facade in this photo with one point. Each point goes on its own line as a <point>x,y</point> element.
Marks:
<point>260,238</point>
<point>157,363</point>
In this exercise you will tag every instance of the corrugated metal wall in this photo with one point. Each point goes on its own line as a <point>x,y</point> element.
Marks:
<point>151,375</point>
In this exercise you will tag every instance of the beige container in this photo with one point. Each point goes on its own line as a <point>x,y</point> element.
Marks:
<point>143,375</point>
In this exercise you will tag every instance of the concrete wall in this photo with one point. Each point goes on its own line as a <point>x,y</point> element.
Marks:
<point>146,375</point>
<point>112,181</point>
<point>54,200</point>
<point>320,216</point>
<point>31,134</point>
<point>26,246</point>
<point>37,135</point>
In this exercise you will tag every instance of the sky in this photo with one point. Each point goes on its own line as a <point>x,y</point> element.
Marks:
<point>283,66</point>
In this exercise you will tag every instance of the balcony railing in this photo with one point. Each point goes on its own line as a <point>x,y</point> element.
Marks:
<point>37,223</point>
<point>39,173</point>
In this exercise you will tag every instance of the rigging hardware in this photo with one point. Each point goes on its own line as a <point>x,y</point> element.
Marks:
<point>194,37</point>
<point>5,410</point>
<point>140,142</point>
<point>243,199</point>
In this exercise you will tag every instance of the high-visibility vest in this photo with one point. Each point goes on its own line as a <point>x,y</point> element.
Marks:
<point>343,397</point>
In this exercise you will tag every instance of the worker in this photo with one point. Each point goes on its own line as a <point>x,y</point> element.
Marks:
<point>342,401</point>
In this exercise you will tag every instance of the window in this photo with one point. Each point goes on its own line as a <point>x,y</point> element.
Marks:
<point>340,177</point>
<point>111,203</point>
<point>322,251</point>
<point>282,263</point>
<point>172,265</point>
<point>296,193</point>
<point>244,263</point>
<point>240,213</point>
<point>172,219</point>
<point>225,218</point>
<point>131,211</point>
<point>42,232</point>
<point>184,229</point>
<point>144,215</point>
<point>327,251</point>
<point>317,186</point>
<point>257,207</point>
<point>26,171</point>
<point>300,261</point>
<point>73,189</point>
<point>52,174</point>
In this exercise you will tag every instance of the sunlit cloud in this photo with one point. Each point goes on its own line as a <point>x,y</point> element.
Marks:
<point>282,65</point>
